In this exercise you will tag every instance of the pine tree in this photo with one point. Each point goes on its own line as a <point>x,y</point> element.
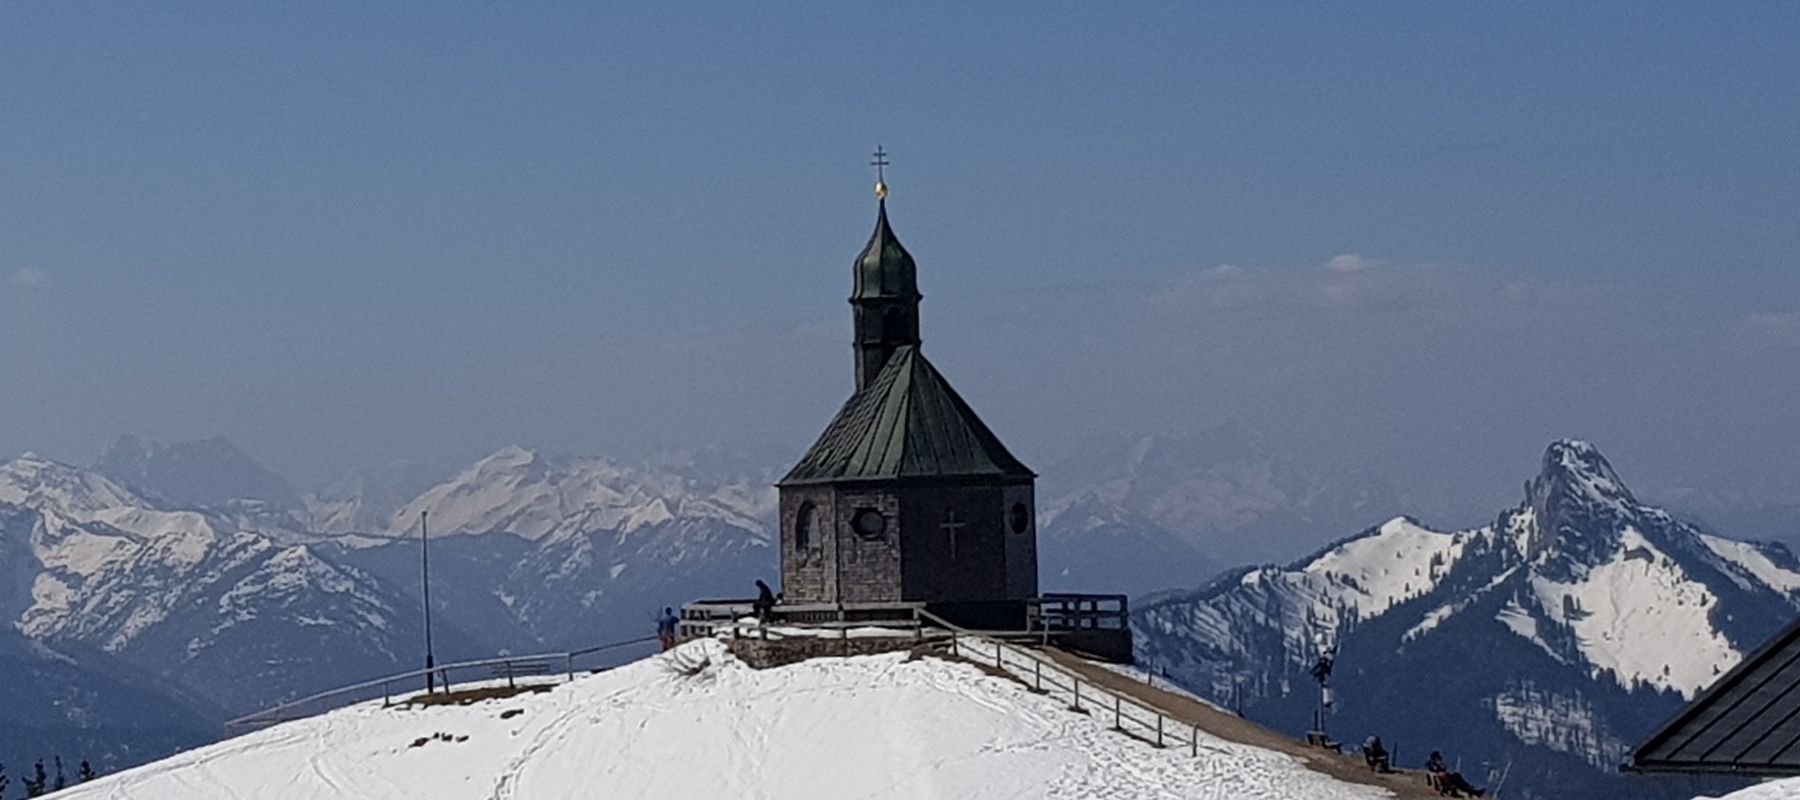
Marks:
<point>82,775</point>
<point>60,780</point>
<point>34,786</point>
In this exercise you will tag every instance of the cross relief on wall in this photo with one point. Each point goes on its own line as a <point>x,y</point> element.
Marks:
<point>951,526</point>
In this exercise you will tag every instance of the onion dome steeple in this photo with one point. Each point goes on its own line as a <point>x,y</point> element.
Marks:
<point>885,295</point>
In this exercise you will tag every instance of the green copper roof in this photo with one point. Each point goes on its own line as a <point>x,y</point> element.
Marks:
<point>907,423</point>
<point>884,269</point>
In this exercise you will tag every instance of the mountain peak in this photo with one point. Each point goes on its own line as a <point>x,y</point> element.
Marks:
<point>1578,464</point>
<point>511,455</point>
<point>202,472</point>
<point>1578,502</point>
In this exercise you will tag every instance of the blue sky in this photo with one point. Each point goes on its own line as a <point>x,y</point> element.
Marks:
<point>343,233</point>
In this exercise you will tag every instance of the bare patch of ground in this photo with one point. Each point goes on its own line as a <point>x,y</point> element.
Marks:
<point>463,697</point>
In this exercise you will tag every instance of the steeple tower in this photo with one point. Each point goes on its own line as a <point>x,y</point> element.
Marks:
<point>885,298</point>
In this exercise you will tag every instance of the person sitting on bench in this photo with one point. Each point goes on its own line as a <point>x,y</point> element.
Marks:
<point>1446,782</point>
<point>1376,755</point>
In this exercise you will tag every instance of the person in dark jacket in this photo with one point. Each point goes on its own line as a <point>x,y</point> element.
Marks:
<point>765,601</point>
<point>666,626</point>
<point>1445,781</point>
<point>1375,754</point>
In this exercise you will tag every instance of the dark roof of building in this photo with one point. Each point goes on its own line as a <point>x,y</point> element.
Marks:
<point>1746,723</point>
<point>884,268</point>
<point>907,423</point>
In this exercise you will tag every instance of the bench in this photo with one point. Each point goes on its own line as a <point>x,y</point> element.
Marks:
<point>1320,740</point>
<point>520,669</point>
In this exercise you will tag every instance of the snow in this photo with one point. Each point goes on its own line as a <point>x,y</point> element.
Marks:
<point>1589,474</point>
<point>521,493</point>
<point>872,727</point>
<point>1400,561</point>
<point>1438,615</point>
<point>1751,559</point>
<point>1785,789</point>
<point>1521,622</point>
<point>1640,616</point>
<point>1564,722</point>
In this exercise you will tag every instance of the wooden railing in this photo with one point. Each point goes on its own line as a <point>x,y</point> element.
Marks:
<point>1129,716</point>
<point>560,666</point>
<point>1066,612</point>
<point>712,617</point>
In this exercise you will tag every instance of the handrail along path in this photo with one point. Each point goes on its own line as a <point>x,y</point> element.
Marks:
<point>331,699</point>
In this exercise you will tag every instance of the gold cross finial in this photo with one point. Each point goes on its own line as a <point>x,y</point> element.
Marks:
<point>880,164</point>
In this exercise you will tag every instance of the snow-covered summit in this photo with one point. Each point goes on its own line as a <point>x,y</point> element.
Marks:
<point>520,492</point>
<point>34,480</point>
<point>1577,619</point>
<point>873,727</point>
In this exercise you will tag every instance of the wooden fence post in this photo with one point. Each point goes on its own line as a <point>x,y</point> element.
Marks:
<point>1037,674</point>
<point>570,663</point>
<point>1196,740</point>
<point>1159,741</point>
<point>1118,714</point>
<point>998,650</point>
<point>1077,693</point>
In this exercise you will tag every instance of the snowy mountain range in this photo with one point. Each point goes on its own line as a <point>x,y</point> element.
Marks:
<point>1540,647</point>
<point>221,596</point>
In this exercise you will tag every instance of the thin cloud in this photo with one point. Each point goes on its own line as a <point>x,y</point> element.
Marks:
<point>28,279</point>
<point>1345,284</point>
<point>1350,263</point>
<point>1772,328</point>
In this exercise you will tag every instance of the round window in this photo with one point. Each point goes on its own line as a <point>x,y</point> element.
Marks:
<point>1019,518</point>
<point>868,522</point>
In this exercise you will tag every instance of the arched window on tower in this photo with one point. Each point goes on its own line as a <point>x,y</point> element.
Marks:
<point>893,324</point>
<point>805,522</point>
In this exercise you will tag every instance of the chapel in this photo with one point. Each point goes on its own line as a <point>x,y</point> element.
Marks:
<point>907,495</point>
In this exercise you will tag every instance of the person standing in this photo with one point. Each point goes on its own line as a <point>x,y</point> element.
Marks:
<point>666,625</point>
<point>765,601</point>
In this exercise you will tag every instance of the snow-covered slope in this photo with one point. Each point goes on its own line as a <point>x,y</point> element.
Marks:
<point>873,727</point>
<point>1568,628</point>
<point>1785,789</point>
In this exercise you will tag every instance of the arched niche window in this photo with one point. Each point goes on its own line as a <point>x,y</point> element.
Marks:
<point>805,523</point>
<point>893,324</point>
<point>1019,518</point>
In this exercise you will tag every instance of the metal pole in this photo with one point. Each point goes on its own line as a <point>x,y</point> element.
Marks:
<point>1077,693</point>
<point>1196,740</point>
<point>1159,741</point>
<point>1037,674</point>
<point>425,581</point>
<point>1118,714</point>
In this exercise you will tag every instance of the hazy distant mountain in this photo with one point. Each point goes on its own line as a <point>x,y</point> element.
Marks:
<point>364,500</point>
<point>1198,502</point>
<point>1090,545</point>
<point>1549,641</point>
<point>207,472</point>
